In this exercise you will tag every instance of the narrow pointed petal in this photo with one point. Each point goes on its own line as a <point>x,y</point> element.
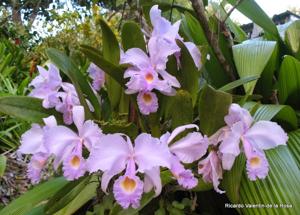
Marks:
<point>78,116</point>
<point>136,57</point>
<point>180,129</point>
<point>190,148</point>
<point>149,153</point>
<point>266,135</point>
<point>195,53</point>
<point>152,180</point>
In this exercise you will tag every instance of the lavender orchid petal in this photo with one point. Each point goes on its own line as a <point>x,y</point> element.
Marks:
<point>152,180</point>
<point>259,135</point>
<point>195,53</point>
<point>111,148</point>
<point>149,153</point>
<point>136,57</point>
<point>190,148</point>
<point>180,129</point>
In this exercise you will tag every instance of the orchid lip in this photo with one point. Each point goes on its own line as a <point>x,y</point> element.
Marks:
<point>75,162</point>
<point>255,162</point>
<point>128,185</point>
<point>147,98</point>
<point>149,78</point>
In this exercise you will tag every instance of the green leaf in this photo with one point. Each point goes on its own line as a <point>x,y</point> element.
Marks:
<point>132,36</point>
<point>34,197</point>
<point>237,83</point>
<point>2,165</point>
<point>189,74</point>
<point>26,108</point>
<point>289,82</point>
<point>254,12</point>
<point>180,108</point>
<point>292,38</point>
<point>213,106</point>
<point>251,58</point>
<point>232,179</point>
<point>281,113</point>
<point>281,186</point>
<point>82,87</point>
<point>294,145</point>
<point>116,72</point>
<point>111,53</point>
<point>85,195</point>
<point>65,195</point>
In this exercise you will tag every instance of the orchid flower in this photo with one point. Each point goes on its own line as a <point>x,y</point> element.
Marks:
<point>255,137</point>
<point>68,99</point>
<point>115,153</point>
<point>67,145</point>
<point>32,142</point>
<point>46,85</point>
<point>97,75</point>
<point>163,28</point>
<point>186,150</point>
<point>211,170</point>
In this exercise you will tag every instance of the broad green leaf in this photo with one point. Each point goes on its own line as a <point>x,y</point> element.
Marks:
<point>281,113</point>
<point>189,74</point>
<point>251,58</point>
<point>2,165</point>
<point>292,38</point>
<point>265,83</point>
<point>294,145</point>
<point>34,197</point>
<point>116,72</point>
<point>289,82</point>
<point>80,83</point>
<point>180,108</point>
<point>85,195</point>
<point>215,72</point>
<point>111,53</point>
<point>237,83</point>
<point>132,36</point>
<point>232,179</point>
<point>26,108</point>
<point>65,195</point>
<point>254,12</point>
<point>281,186</point>
<point>213,106</point>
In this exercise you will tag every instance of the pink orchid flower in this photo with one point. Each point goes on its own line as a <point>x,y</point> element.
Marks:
<point>115,153</point>
<point>67,145</point>
<point>255,137</point>
<point>32,142</point>
<point>186,150</point>
<point>97,75</point>
<point>163,28</point>
<point>46,85</point>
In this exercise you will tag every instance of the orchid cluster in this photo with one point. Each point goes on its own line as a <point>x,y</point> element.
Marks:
<point>148,72</point>
<point>49,87</point>
<point>139,165</point>
<point>133,167</point>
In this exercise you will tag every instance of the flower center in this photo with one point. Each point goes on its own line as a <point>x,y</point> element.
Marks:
<point>147,98</point>
<point>255,162</point>
<point>128,184</point>
<point>75,162</point>
<point>149,78</point>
